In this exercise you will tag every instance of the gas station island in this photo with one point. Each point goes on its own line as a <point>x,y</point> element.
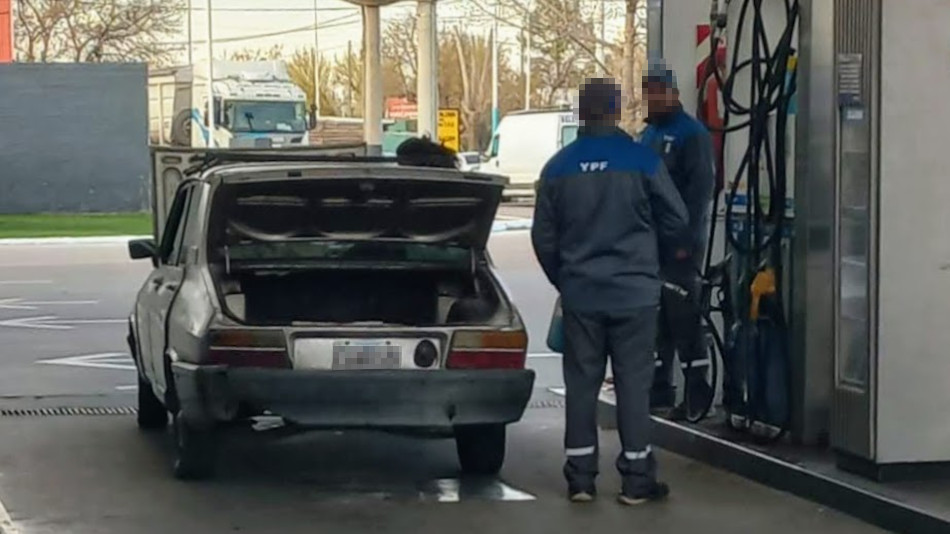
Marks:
<point>834,355</point>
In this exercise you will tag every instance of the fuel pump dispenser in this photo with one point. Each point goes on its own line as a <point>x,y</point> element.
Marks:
<point>865,320</point>
<point>757,87</point>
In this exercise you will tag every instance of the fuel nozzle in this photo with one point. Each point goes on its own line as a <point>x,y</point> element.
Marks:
<point>718,17</point>
<point>763,285</point>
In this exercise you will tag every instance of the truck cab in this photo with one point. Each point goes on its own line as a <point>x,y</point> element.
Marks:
<point>256,105</point>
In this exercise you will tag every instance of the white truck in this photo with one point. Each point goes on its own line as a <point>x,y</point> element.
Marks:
<point>524,142</point>
<point>256,105</point>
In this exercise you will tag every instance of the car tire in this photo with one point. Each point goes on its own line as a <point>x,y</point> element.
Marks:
<point>152,414</point>
<point>194,450</point>
<point>481,448</point>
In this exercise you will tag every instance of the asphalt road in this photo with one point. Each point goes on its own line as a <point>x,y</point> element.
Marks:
<point>62,345</point>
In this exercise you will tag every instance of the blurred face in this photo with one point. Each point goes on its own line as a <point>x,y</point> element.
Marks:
<point>604,97</point>
<point>659,98</point>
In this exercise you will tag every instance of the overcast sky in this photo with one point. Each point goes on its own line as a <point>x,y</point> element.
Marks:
<point>240,24</point>
<point>260,24</point>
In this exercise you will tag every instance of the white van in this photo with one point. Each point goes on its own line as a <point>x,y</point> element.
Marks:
<point>524,142</point>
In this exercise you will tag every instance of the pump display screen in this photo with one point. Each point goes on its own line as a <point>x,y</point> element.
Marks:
<point>265,117</point>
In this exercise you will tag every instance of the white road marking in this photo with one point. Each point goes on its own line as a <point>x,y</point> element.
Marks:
<point>6,522</point>
<point>24,282</point>
<point>36,323</point>
<point>133,387</point>
<point>453,490</point>
<point>52,322</point>
<point>90,321</point>
<point>118,361</point>
<point>544,355</point>
<point>20,304</point>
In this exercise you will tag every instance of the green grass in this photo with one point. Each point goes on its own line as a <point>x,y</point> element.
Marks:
<point>75,225</point>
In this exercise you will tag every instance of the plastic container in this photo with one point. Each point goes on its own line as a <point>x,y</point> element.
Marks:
<point>556,329</point>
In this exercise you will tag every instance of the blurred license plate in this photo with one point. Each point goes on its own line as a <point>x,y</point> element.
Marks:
<point>358,355</point>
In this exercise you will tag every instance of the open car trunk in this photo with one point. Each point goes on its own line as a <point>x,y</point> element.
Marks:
<point>336,245</point>
<point>340,296</point>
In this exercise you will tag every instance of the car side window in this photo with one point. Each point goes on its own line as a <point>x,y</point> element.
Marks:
<point>175,227</point>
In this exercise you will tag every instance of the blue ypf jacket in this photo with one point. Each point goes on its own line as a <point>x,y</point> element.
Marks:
<point>603,203</point>
<point>685,146</point>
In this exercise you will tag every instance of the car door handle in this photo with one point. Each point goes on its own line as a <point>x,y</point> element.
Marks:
<point>171,286</point>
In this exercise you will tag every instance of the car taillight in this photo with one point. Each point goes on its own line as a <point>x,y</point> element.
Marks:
<point>488,350</point>
<point>248,348</point>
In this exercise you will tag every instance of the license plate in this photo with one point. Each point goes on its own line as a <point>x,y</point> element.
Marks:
<point>362,355</point>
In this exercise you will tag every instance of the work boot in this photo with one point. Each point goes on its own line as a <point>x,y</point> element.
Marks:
<point>582,496</point>
<point>699,396</point>
<point>662,398</point>
<point>657,492</point>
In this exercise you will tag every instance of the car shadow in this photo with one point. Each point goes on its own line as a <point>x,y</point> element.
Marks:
<point>344,466</point>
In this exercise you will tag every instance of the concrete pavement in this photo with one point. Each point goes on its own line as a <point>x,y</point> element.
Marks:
<point>99,474</point>
<point>102,476</point>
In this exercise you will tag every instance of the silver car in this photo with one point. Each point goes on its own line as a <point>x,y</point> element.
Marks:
<point>335,295</point>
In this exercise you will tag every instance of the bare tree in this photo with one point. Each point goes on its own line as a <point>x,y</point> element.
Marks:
<point>96,30</point>
<point>565,38</point>
<point>400,52</point>
<point>348,75</point>
<point>634,57</point>
<point>474,66</point>
<point>562,63</point>
<point>300,67</point>
<point>257,54</point>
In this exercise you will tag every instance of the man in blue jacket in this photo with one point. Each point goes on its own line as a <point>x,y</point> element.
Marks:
<point>685,146</point>
<point>604,202</point>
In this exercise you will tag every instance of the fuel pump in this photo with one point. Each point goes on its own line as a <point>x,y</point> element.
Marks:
<point>756,388</point>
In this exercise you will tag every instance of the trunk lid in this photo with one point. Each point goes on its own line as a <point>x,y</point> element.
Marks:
<point>358,202</point>
<point>173,165</point>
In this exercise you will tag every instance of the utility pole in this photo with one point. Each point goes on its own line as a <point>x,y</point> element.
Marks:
<point>427,75</point>
<point>190,46</point>
<point>599,49</point>
<point>316,62</point>
<point>494,71</point>
<point>373,81</point>
<point>349,82</point>
<point>527,69</point>
<point>210,72</point>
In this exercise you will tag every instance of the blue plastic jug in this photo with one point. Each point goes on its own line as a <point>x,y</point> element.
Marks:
<point>556,329</point>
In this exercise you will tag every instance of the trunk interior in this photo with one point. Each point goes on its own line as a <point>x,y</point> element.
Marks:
<point>339,296</point>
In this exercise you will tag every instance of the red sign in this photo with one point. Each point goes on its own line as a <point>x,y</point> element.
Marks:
<point>401,108</point>
<point>6,31</point>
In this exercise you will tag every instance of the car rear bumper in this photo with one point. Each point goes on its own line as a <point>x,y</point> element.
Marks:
<point>429,401</point>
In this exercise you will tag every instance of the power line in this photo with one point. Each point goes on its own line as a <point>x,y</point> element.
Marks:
<point>275,9</point>
<point>346,20</point>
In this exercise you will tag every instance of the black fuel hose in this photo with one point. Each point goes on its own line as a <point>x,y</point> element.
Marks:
<point>771,86</point>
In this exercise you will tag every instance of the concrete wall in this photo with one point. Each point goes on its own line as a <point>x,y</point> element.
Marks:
<point>73,138</point>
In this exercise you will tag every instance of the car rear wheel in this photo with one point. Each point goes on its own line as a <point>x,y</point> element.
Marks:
<point>152,414</point>
<point>481,448</point>
<point>194,450</point>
